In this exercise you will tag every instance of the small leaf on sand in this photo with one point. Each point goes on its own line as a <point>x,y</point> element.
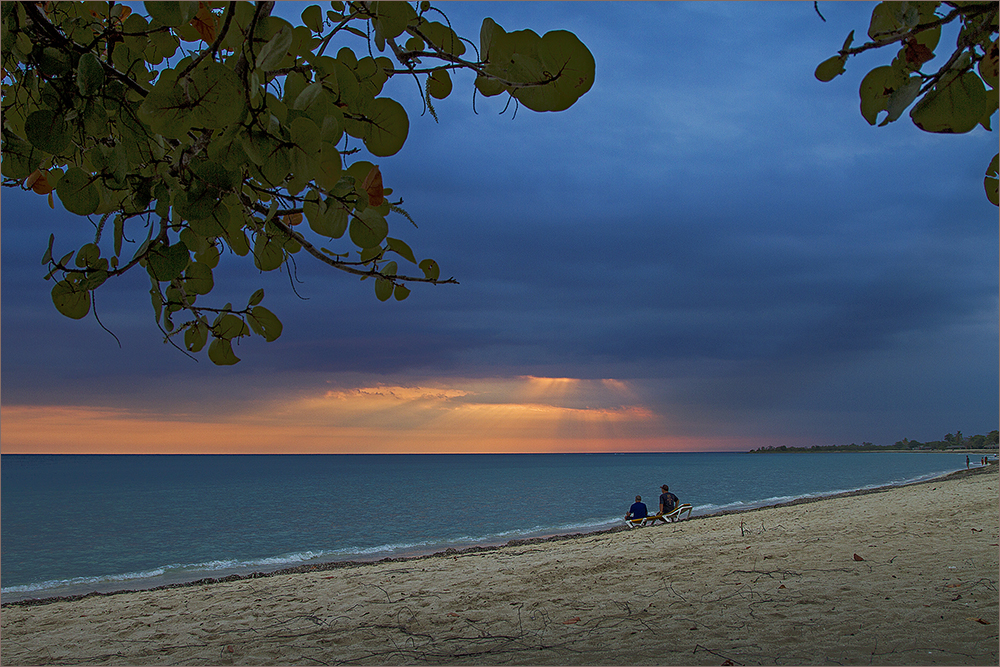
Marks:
<point>575,619</point>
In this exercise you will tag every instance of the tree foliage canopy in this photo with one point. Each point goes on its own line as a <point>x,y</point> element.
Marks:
<point>208,128</point>
<point>960,96</point>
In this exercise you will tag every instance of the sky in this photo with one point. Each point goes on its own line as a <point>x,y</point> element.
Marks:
<point>710,251</point>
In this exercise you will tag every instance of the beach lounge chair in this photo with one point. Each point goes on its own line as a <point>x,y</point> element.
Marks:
<point>676,514</point>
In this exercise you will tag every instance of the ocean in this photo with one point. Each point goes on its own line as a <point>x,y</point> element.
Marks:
<point>74,524</point>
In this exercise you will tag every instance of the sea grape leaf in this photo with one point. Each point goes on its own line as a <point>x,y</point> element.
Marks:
<point>990,64</point>
<point>198,279</point>
<point>368,229</point>
<point>220,352</point>
<point>165,263</point>
<point>77,192</point>
<point>830,68</point>
<point>70,299</point>
<point>430,268</point>
<point>386,127</point>
<point>439,84</point>
<point>901,98</point>
<point>275,49</point>
<point>229,326</point>
<point>401,248</point>
<point>47,131</point>
<point>196,336</point>
<point>268,253</point>
<point>876,89</point>
<point>392,17</point>
<point>264,323</point>
<point>89,74</point>
<point>172,14</point>
<point>312,18</point>
<point>953,106</point>
<point>991,182</point>
<point>383,288</point>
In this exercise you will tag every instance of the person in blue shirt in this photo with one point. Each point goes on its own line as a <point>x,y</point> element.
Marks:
<point>638,510</point>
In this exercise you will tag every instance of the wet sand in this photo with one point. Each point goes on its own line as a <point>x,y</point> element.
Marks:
<point>901,576</point>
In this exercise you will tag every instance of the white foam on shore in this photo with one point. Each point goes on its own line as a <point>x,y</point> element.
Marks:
<point>186,573</point>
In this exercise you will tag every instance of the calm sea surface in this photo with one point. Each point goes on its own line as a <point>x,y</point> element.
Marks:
<point>74,524</point>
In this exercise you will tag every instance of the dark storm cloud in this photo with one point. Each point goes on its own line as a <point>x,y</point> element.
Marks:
<point>709,220</point>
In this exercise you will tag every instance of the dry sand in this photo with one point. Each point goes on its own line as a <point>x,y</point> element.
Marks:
<point>904,576</point>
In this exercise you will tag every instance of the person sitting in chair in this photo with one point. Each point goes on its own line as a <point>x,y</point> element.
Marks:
<point>668,503</point>
<point>637,511</point>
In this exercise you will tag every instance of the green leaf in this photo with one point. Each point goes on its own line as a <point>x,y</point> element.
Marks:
<point>876,89</point>
<point>386,127</point>
<point>47,257</point>
<point>830,68</point>
<point>991,182</point>
<point>71,300</point>
<point>442,37</point>
<point>953,106</point>
<point>400,248</point>
<point>77,192</point>
<point>256,297</point>
<point>327,218</point>
<point>275,50</point>
<point>89,74</point>
<point>383,289</point>
<point>368,229</point>
<point>47,131</point>
<point>228,326</point>
<point>220,351</point>
<point>990,65</point>
<point>439,84</point>
<point>312,18</point>
<point>902,98</point>
<point>392,17</point>
<point>88,256</point>
<point>171,13</point>
<point>210,96</point>
<point>430,268</point>
<point>401,292</point>
<point>264,323</point>
<point>198,278</point>
<point>268,253</point>
<point>196,336</point>
<point>164,263</point>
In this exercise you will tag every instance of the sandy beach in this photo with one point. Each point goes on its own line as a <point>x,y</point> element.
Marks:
<point>902,576</point>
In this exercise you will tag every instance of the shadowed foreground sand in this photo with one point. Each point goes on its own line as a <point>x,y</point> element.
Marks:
<point>905,576</point>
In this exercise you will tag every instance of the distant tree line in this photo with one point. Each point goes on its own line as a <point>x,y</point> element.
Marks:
<point>951,441</point>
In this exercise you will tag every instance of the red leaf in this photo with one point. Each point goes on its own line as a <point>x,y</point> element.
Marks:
<point>575,619</point>
<point>373,186</point>
<point>857,557</point>
<point>205,22</point>
<point>917,54</point>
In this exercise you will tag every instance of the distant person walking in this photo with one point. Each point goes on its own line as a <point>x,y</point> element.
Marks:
<point>966,462</point>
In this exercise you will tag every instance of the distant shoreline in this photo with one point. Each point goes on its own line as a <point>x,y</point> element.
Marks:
<point>452,551</point>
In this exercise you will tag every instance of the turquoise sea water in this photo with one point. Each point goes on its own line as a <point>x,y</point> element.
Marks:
<point>74,524</point>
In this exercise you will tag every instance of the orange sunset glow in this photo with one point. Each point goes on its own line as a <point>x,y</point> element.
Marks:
<point>525,414</point>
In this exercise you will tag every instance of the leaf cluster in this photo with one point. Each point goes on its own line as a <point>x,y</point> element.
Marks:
<point>956,98</point>
<point>212,129</point>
